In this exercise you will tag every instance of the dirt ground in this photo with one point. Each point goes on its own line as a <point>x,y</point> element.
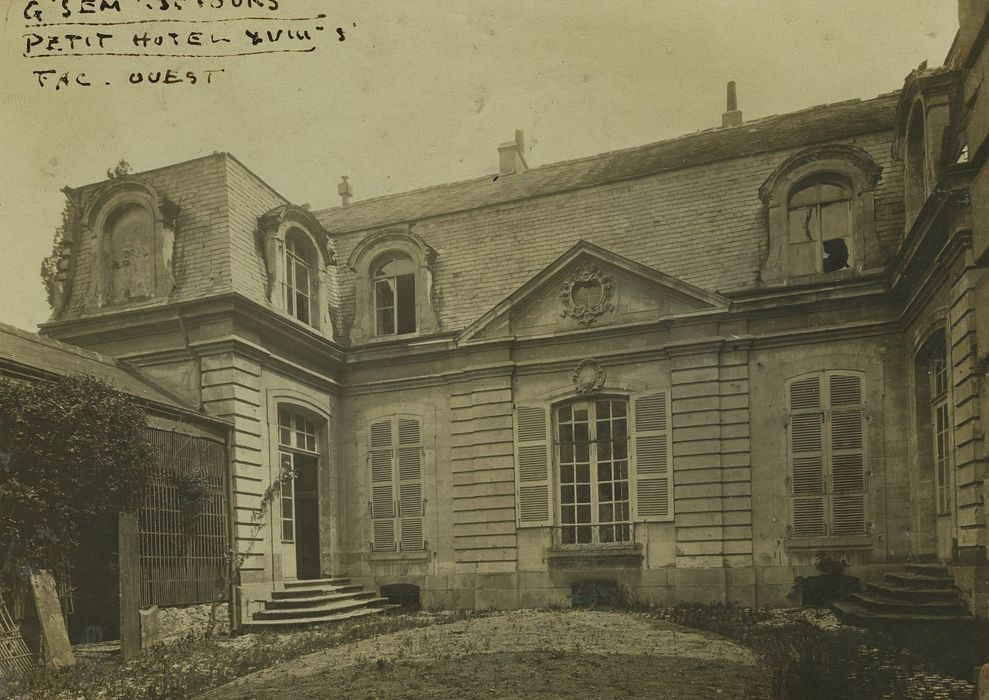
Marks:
<point>520,654</point>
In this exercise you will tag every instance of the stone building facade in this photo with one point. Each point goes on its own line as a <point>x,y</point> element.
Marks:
<point>686,367</point>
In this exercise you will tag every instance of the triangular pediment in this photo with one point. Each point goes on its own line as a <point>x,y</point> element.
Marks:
<point>590,287</point>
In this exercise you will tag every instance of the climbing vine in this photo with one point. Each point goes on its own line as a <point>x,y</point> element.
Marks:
<point>50,265</point>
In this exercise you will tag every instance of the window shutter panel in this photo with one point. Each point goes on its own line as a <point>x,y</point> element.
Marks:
<point>806,436</point>
<point>381,458</point>
<point>847,427</point>
<point>532,466</point>
<point>652,457</point>
<point>410,510</point>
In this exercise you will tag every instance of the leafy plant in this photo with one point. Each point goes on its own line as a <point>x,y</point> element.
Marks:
<point>831,584</point>
<point>72,450</point>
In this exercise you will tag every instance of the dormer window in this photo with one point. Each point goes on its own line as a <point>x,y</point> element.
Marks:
<point>134,226</point>
<point>393,284</point>
<point>297,257</point>
<point>821,216</point>
<point>820,226</point>
<point>395,297</point>
<point>300,280</point>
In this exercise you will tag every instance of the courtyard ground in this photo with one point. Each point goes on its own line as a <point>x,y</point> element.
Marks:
<point>520,654</point>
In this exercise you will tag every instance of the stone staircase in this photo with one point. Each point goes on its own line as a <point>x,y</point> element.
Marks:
<point>315,601</point>
<point>923,593</point>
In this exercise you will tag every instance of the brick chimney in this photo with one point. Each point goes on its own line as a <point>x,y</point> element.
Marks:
<point>511,155</point>
<point>345,190</point>
<point>733,117</point>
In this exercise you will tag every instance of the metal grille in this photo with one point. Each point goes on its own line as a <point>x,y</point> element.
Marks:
<point>183,536</point>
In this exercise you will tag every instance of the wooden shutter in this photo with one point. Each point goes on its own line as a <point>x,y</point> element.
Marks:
<point>652,457</point>
<point>410,503</point>
<point>806,438</point>
<point>532,466</point>
<point>846,447</point>
<point>381,457</point>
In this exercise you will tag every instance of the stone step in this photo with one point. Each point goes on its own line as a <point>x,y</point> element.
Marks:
<point>317,611</point>
<point>303,621</point>
<point>909,580</point>
<point>314,591</point>
<point>910,593</point>
<point>928,570</point>
<point>893,605</point>
<point>853,612</point>
<point>314,600</point>
<point>312,582</point>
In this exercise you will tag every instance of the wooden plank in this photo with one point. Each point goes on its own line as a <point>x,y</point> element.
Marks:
<point>130,587</point>
<point>54,637</point>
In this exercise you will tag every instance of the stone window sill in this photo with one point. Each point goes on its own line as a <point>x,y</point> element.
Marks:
<point>623,555</point>
<point>830,542</point>
<point>418,555</point>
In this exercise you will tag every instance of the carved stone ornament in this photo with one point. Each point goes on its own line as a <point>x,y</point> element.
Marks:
<point>587,294</point>
<point>588,377</point>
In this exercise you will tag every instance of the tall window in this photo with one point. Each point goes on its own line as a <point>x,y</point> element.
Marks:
<point>827,454</point>
<point>297,454</point>
<point>820,227</point>
<point>938,371</point>
<point>592,453</point>
<point>300,281</point>
<point>395,297</point>
<point>395,457</point>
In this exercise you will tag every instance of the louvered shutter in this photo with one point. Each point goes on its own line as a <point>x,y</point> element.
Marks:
<point>532,466</point>
<point>806,436</point>
<point>410,503</point>
<point>652,457</point>
<point>847,423</point>
<point>381,458</point>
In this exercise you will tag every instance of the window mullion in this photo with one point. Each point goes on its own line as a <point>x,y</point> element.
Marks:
<point>592,453</point>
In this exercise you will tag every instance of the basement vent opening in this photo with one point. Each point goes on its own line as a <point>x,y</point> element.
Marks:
<point>594,594</point>
<point>406,594</point>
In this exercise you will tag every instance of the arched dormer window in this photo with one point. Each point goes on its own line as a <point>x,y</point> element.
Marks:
<point>820,226</point>
<point>927,131</point>
<point>915,183</point>
<point>393,284</point>
<point>135,229</point>
<point>297,256</point>
<point>820,211</point>
<point>395,296</point>
<point>301,277</point>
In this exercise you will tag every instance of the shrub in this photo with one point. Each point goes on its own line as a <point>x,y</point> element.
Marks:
<point>70,451</point>
<point>830,585</point>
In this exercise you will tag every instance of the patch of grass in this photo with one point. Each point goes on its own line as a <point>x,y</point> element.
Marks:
<point>194,665</point>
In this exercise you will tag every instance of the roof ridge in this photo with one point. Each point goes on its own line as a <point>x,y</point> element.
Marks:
<point>611,153</point>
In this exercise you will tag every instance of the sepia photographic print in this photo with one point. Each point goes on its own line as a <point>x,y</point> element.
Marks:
<point>447,349</point>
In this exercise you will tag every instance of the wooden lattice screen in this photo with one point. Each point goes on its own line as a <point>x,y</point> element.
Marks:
<point>182,522</point>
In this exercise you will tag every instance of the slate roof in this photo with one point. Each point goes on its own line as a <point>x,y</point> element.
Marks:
<point>819,124</point>
<point>40,355</point>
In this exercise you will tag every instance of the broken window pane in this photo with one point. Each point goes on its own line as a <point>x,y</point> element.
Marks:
<point>835,255</point>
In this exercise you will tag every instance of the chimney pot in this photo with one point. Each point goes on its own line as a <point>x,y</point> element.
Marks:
<point>511,155</point>
<point>733,116</point>
<point>345,190</point>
